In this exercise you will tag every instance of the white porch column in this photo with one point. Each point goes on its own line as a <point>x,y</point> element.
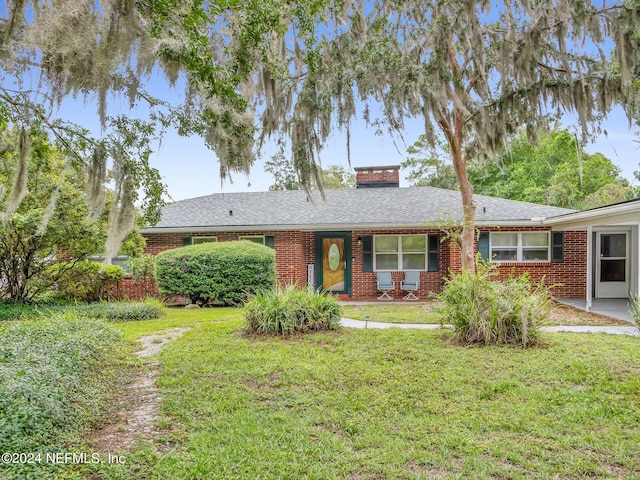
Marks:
<point>589,267</point>
<point>637,254</point>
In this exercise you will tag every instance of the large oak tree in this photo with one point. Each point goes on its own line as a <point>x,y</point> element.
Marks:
<point>473,71</point>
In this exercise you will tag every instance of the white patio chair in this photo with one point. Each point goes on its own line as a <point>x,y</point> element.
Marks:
<point>410,284</point>
<point>385,285</point>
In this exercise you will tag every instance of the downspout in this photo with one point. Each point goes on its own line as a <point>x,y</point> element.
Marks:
<point>589,267</point>
<point>637,254</point>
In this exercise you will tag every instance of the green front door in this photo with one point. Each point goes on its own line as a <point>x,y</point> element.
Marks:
<point>333,262</point>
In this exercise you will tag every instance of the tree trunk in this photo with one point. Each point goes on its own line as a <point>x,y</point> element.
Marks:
<point>467,239</point>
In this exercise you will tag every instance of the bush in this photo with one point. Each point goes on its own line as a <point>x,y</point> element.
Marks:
<point>291,309</point>
<point>216,273</point>
<point>56,376</point>
<point>634,310</point>
<point>142,269</point>
<point>123,311</point>
<point>87,281</point>
<point>110,311</point>
<point>485,311</point>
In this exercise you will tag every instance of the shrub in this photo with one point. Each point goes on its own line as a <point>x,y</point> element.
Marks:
<point>634,304</point>
<point>87,281</point>
<point>110,311</point>
<point>485,311</point>
<point>123,311</point>
<point>291,309</point>
<point>16,311</point>
<point>56,376</point>
<point>216,273</point>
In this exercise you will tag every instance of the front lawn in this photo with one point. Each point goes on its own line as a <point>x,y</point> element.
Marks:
<point>427,312</point>
<point>424,312</point>
<point>384,404</point>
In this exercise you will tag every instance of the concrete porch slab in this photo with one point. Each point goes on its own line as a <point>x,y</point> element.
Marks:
<point>617,308</point>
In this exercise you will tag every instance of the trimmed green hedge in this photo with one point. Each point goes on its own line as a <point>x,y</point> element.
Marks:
<point>216,273</point>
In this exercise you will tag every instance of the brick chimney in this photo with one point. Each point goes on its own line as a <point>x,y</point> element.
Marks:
<point>377,177</point>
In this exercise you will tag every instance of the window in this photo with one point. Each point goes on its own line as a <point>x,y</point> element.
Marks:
<point>199,240</point>
<point>120,260</point>
<point>404,252</point>
<point>253,238</point>
<point>519,246</point>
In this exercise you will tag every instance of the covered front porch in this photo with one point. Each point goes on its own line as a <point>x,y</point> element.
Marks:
<point>617,308</point>
<point>612,254</point>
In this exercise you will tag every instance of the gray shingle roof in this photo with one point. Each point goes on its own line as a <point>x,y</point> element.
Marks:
<point>342,209</point>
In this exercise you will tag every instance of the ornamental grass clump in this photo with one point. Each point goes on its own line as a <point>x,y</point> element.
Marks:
<point>485,311</point>
<point>634,310</point>
<point>291,309</point>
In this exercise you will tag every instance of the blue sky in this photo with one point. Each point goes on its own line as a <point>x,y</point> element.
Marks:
<point>191,170</point>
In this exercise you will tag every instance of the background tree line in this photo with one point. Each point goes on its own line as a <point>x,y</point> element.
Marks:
<point>555,171</point>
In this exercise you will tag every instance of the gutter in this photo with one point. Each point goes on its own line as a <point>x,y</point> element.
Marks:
<point>606,214</point>
<point>328,227</point>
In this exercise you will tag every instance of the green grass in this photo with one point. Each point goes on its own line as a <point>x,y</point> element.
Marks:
<point>109,311</point>
<point>177,317</point>
<point>393,312</point>
<point>426,312</point>
<point>385,404</point>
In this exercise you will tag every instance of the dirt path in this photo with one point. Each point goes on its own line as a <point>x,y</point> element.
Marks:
<point>137,409</point>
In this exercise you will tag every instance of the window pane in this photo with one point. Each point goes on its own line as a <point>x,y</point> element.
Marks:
<point>199,240</point>
<point>259,240</point>
<point>386,261</point>
<point>613,270</point>
<point>504,255</point>
<point>537,239</point>
<point>504,239</point>
<point>414,243</point>
<point>413,261</point>
<point>387,244</point>
<point>535,254</point>
<point>613,245</point>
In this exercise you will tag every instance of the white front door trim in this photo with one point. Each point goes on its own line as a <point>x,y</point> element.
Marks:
<point>612,289</point>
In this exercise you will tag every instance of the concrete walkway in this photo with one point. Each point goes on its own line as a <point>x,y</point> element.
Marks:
<point>613,330</point>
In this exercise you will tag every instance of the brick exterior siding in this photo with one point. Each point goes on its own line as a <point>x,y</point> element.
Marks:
<point>568,278</point>
<point>377,176</point>
<point>296,249</point>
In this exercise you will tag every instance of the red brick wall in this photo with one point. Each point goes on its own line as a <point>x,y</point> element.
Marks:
<point>296,249</point>
<point>568,278</point>
<point>367,176</point>
<point>364,283</point>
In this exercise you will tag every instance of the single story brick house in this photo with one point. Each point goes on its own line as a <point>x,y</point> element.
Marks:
<point>339,243</point>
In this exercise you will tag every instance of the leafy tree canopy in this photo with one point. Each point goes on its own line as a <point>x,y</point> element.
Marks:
<point>473,71</point>
<point>119,49</point>
<point>286,177</point>
<point>552,172</point>
<point>49,229</point>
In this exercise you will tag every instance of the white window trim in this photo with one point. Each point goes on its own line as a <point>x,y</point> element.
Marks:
<point>400,253</point>
<point>520,248</point>
<point>122,258</point>
<point>210,238</point>
<point>252,237</point>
